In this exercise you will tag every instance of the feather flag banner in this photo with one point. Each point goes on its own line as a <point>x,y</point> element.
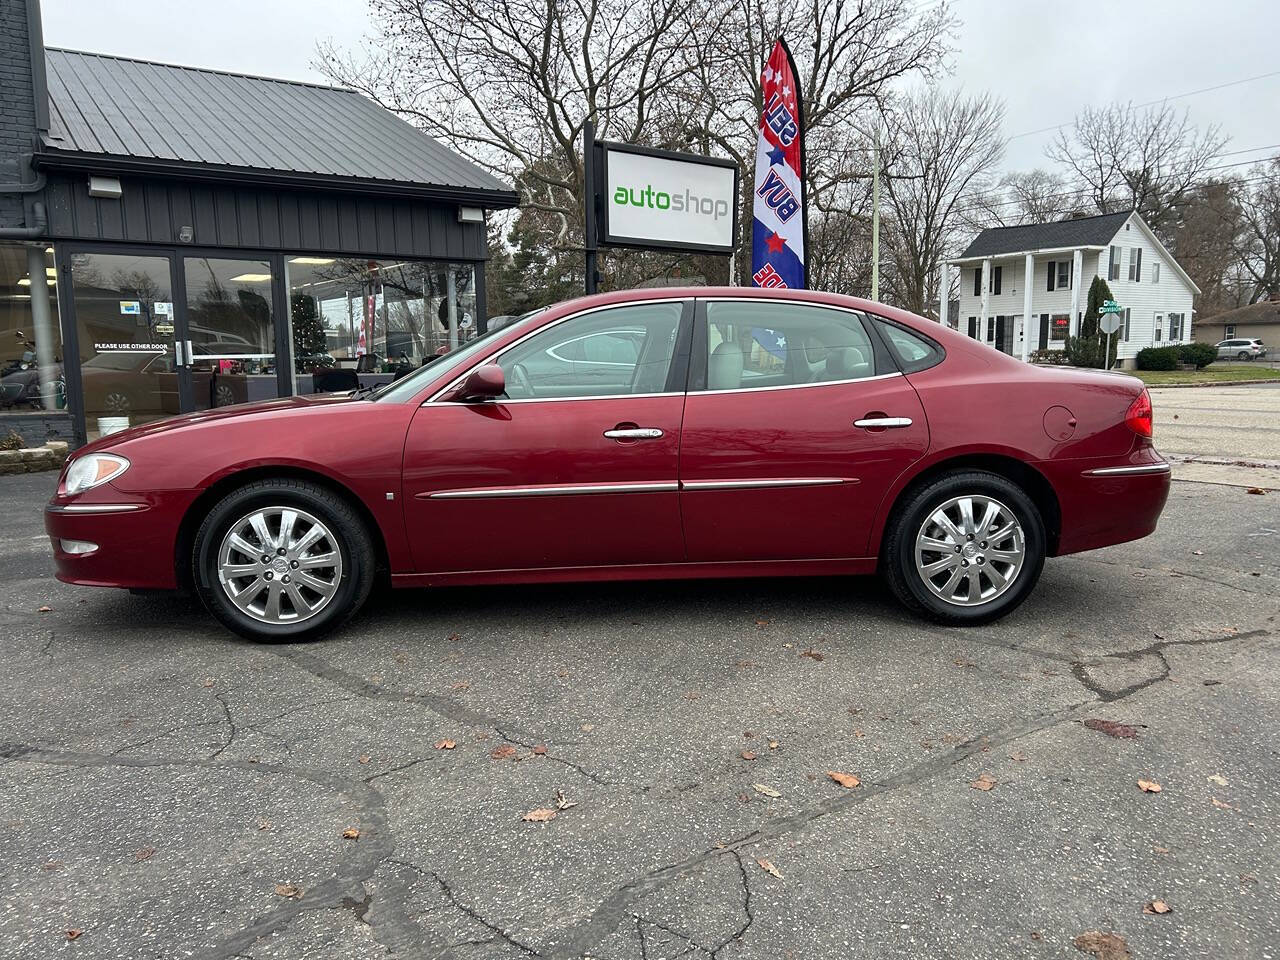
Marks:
<point>778,224</point>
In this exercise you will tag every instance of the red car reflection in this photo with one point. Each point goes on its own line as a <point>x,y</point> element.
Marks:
<point>647,434</point>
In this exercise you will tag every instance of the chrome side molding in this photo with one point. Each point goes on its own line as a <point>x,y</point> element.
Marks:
<point>756,484</point>
<point>567,490</point>
<point>1128,471</point>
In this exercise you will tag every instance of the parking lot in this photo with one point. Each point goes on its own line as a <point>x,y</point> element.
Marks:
<point>171,791</point>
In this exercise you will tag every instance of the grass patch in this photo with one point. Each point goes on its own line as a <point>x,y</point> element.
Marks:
<point>1214,373</point>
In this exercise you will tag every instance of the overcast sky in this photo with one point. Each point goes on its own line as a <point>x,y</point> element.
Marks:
<point>1046,58</point>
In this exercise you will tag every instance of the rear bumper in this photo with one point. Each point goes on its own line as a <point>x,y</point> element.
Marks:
<point>134,540</point>
<point>1108,503</point>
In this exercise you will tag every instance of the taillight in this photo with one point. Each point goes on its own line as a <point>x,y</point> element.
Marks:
<point>1138,417</point>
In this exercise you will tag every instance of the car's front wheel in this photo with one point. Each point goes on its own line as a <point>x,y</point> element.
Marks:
<point>1243,355</point>
<point>282,560</point>
<point>965,548</point>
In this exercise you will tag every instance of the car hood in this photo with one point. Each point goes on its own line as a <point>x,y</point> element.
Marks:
<point>242,411</point>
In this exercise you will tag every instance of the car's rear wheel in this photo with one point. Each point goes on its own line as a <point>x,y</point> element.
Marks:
<point>965,548</point>
<point>282,560</point>
<point>1243,355</point>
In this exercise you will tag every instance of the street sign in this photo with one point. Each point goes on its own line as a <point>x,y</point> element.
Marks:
<point>1110,306</point>
<point>1110,322</point>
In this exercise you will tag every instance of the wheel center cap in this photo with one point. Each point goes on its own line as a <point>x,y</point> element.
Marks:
<point>970,551</point>
<point>280,565</point>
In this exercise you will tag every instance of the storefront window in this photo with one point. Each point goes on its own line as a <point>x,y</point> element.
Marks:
<point>31,378</point>
<point>1059,327</point>
<point>369,322</point>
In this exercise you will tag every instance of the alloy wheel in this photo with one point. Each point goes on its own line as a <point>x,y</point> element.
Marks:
<point>279,565</point>
<point>969,550</point>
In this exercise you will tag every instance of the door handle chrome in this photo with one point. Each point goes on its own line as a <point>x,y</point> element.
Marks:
<point>634,433</point>
<point>883,422</point>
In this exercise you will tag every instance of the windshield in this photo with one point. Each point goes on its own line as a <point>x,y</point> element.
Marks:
<point>403,389</point>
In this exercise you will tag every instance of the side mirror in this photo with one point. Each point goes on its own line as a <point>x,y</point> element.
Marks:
<point>486,382</point>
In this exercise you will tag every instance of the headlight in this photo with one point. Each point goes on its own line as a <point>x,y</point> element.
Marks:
<point>93,469</point>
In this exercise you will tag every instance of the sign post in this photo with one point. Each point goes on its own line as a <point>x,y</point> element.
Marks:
<point>590,211</point>
<point>1109,322</point>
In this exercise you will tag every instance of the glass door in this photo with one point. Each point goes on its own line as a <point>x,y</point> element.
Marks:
<point>127,339</point>
<point>229,330</point>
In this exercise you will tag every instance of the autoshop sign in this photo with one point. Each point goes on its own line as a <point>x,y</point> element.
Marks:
<point>664,200</point>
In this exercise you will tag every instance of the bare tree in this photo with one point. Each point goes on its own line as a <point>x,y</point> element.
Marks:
<point>1021,197</point>
<point>1259,243</point>
<point>1146,159</point>
<point>942,148</point>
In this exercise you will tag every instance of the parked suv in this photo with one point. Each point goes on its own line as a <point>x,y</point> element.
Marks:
<point>1242,349</point>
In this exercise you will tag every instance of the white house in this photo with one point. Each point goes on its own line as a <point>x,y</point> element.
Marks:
<point>1044,270</point>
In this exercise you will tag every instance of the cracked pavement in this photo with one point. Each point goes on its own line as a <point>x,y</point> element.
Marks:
<point>160,779</point>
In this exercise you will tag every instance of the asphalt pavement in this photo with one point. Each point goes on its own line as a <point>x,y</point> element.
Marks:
<point>171,791</point>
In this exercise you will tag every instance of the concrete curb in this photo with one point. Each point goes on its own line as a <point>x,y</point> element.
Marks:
<point>51,456</point>
<point>1211,383</point>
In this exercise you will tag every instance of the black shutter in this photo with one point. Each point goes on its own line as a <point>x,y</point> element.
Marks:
<point>973,328</point>
<point>996,271</point>
<point>977,282</point>
<point>1044,331</point>
<point>1053,272</point>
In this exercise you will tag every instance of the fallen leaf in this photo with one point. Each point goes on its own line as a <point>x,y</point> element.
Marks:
<point>1157,906</point>
<point>1222,804</point>
<point>766,790</point>
<point>539,749</point>
<point>773,744</point>
<point>540,815</point>
<point>744,798</point>
<point>762,623</point>
<point>1104,946</point>
<point>52,865</point>
<point>264,824</point>
<point>748,755</point>
<point>1219,779</point>
<point>453,638</point>
<point>984,782</point>
<point>562,803</point>
<point>208,682</point>
<point>1246,879</point>
<point>351,833</point>
<point>290,890</point>
<point>1121,731</point>
<point>1149,786</point>
<point>363,758</point>
<point>1037,935</point>
<point>1160,849</point>
<point>45,609</point>
<point>587,727</point>
<point>1020,757</point>
<point>768,867</point>
<point>144,854</point>
<point>460,685</point>
<point>503,752</point>
<point>812,655</point>
<point>445,744</point>
<point>847,780</point>
<point>74,934</point>
<point>1257,491</point>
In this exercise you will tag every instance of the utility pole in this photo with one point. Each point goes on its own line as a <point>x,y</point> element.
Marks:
<point>875,218</point>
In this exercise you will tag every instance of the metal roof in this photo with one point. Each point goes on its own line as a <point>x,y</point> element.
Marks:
<point>1095,231</point>
<point>150,116</point>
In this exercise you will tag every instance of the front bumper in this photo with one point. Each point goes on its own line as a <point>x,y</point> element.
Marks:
<point>134,537</point>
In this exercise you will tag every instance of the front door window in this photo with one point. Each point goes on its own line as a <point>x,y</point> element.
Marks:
<point>125,324</point>
<point>231,330</point>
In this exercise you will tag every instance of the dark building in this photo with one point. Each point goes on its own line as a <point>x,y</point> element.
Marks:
<point>174,239</point>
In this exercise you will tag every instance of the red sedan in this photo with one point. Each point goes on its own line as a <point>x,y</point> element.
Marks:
<point>637,435</point>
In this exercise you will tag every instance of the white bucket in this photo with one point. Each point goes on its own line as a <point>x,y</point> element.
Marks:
<point>109,425</point>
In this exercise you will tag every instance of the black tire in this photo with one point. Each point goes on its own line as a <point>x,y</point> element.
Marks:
<point>349,534</point>
<point>898,564</point>
<point>1242,355</point>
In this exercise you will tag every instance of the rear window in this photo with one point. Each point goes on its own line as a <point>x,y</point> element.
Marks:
<point>914,351</point>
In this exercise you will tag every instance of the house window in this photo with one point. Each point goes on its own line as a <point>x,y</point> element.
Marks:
<point>995,280</point>
<point>1124,330</point>
<point>991,329</point>
<point>1155,272</point>
<point>1113,265</point>
<point>977,282</point>
<point>1159,334</point>
<point>1064,274</point>
<point>1229,332</point>
<point>1135,263</point>
<point>1059,326</point>
<point>1175,327</point>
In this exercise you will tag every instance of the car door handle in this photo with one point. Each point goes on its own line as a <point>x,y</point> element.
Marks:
<point>883,422</point>
<point>634,433</point>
